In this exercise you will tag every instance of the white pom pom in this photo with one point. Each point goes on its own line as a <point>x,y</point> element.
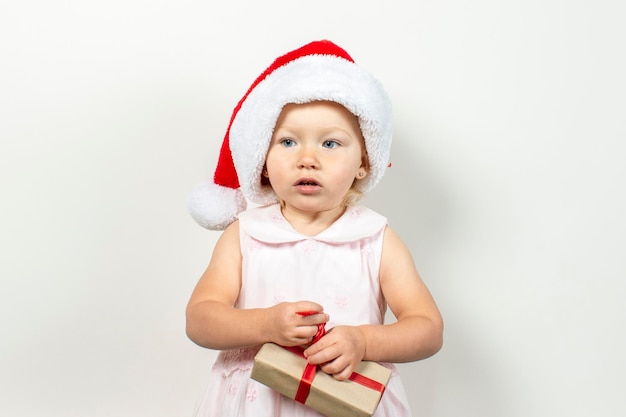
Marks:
<point>215,207</point>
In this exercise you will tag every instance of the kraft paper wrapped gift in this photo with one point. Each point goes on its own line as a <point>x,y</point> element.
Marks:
<point>282,370</point>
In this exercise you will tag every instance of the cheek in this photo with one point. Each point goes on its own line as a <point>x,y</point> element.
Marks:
<point>348,170</point>
<point>271,161</point>
<point>359,162</point>
<point>276,166</point>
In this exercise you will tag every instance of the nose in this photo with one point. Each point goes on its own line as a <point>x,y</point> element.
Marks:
<point>307,159</point>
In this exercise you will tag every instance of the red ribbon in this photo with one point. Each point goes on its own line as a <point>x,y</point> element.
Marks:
<point>309,370</point>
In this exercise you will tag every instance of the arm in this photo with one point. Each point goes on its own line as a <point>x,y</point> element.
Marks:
<point>214,322</point>
<point>417,333</point>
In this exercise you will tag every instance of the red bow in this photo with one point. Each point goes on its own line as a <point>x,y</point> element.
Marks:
<point>309,371</point>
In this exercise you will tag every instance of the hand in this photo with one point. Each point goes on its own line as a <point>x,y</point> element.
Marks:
<point>339,352</point>
<point>286,327</point>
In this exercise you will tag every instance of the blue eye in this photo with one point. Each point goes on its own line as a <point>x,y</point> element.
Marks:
<point>287,142</point>
<point>330,144</point>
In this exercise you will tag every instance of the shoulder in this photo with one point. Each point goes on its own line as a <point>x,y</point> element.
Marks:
<point>392,241</point>
<point>395,251</point>
<point>266,224</point>
<point>356,223</point>
<point>229,239</point>
<point>363,216</point>
<point>396,258</point>
<point>259,214</point>
<point>359,211</point>
<point>365,221</point>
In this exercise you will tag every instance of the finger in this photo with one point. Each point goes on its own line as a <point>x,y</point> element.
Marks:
<point>337,369</point>
<point>309,307</point>
<point>306,332</point>
<point>303,337</point>
<point>315,319</point>
<point>321,353</point>
<point>343,375</point>
<point>316,348</point>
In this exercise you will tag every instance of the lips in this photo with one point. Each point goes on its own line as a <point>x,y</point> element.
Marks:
<point>306,182</point>
<point>307,186</point>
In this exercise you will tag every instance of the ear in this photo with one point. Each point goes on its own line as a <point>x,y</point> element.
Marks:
<point>364,169</point>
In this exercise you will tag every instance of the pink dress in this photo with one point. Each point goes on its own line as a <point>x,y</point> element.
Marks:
<point>338,269</point>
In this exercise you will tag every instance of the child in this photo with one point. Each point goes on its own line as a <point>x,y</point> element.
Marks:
<point>312,134</point>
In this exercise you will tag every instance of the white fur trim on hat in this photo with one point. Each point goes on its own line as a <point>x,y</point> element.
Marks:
<point>307,79</point>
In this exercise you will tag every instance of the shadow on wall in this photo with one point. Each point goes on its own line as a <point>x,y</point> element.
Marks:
<point>412,197</point>
<point>415,197</point>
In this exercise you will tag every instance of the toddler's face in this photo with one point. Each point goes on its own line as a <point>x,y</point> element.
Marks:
<point>315,155</point>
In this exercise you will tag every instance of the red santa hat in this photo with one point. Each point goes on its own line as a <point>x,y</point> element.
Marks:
<point>317,71</point>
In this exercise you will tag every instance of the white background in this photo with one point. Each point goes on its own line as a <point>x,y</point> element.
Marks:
<point>507,183</point>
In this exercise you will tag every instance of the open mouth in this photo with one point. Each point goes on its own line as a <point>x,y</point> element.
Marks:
<point>307,182</point>
<point>307,185</point>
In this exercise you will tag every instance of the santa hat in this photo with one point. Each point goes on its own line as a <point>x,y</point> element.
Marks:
<point>317,71</point>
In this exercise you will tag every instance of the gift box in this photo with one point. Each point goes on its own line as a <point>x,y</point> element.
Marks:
<point>288,372</point>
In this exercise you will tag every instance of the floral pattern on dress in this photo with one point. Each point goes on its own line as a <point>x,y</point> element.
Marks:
<point>341,301</point>
<point>230,361</point>
<point>354,212</point>
<point>253,244</point>
<point>251,394</point>
<point>309,245</point>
